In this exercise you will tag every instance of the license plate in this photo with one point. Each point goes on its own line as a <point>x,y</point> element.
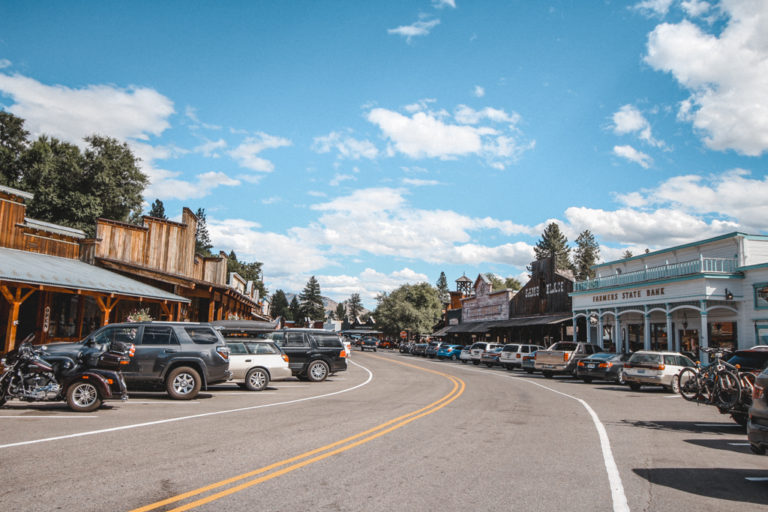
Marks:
<point>640,371</point>
<point>590,366</point>
<point>547,366</point>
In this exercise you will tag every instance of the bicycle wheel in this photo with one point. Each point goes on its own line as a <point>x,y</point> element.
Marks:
<point>688,383</point>
<point>727,390</point>
<point>747,386</point>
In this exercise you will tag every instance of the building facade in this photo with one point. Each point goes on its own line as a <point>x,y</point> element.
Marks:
<point>711,293</point>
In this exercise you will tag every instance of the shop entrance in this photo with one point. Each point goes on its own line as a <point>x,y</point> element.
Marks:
<point>689,343</point>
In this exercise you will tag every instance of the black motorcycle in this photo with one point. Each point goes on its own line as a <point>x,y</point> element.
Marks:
<point>84,379</point>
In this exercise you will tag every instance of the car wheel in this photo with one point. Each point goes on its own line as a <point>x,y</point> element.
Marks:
<point>634,386</point>
<point>83,396</point>
<point>183,383</point>
<point>740,418</point>
<point>675,387</point>
<point>257,379</point>
<point>757,449</point>
<point>317,371</point>
<point>587,380</point>
<point>620,376</point>
<point>463,361</point>
<point>528,370</point>
<point>476,363</point>
<point>374,350</point>
<point>548,374</point>
<point>453,357</point>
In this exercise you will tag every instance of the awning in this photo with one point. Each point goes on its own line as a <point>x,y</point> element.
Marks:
<point>469,327</point>
<point>43,270</point>
<point>442,332</point>
<point>481,327</point>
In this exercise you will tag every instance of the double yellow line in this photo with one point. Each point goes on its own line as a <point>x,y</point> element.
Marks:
<point>271,471</point>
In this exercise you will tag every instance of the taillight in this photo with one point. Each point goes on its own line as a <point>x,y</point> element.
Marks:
<point>757,392</point>
<point>132,350</point>
<point>343,353</point>
<point>605,365</point>
<point>581,363</point>
<point>285,358</point>
<point>223,352</point>
<point>517,356</point>
<point>660,367</point>
<point>627,365</point>
<point>566,356</point>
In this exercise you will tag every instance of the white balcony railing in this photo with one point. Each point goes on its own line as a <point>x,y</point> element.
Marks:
<point>700,266</point>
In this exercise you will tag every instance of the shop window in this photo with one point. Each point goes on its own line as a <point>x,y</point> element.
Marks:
<point>64,316</point>
<point>722,335</point>
<point>658,337</point>
<point>761,295</point>
<point>761,334</point>
<point>635,337</point>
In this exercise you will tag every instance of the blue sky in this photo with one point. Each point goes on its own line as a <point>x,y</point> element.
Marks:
<point>372,144</point>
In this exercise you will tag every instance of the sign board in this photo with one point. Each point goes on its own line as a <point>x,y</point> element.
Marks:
<point>403,334</point>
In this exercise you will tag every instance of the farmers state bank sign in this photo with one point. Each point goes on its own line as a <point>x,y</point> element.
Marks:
<point>634,294</point>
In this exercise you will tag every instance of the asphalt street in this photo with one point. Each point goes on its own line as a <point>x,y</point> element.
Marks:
<point>394,432</point>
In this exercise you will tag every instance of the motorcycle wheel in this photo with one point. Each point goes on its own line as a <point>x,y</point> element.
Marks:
<point>82,396</point>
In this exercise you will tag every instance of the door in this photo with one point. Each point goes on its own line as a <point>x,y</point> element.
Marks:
<point>296,346</point>
<point>158,344</point>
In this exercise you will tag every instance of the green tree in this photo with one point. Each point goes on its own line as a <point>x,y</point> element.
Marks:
<point>295,310</point>
<point>512,283</point>
<point>311,301</point>
<point>627,254</point>
<point>586,255</point>
<point>496,281</point>
<point>341,311</point>
<point>203,244</point>
<point>354,306</point>
<point>554,244</point>
<point>442,288</point>
<point>248,271</point>
<point>279,306</point>
<point>14,142</point>
<point>157,210</point>
<point>411,307</point>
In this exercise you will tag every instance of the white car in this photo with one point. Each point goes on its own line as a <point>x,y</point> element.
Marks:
<point>466,354</point>
<point>254,363</point>
<point>655,369</point>
<point>482,346</point>
<point>512,354</point>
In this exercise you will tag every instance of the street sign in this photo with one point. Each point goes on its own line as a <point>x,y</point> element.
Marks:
<point>403,334</point>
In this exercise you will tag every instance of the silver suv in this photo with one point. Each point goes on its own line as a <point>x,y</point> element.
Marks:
<point>476,350</point>
<point>512,355</point>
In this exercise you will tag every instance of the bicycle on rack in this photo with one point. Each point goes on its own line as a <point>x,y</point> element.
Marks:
<point>718,383</point>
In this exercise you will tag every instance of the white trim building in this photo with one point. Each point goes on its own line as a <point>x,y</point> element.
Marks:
<point>703,294</point>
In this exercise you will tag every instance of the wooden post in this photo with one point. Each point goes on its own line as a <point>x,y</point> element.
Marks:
<point>106,309</point>
<point>15,300</point>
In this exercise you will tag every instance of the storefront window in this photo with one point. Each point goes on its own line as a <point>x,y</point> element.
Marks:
<point>762,334</point>
<point>761,295</point>
<point>722,335</point>
<point>689,342</point>
<point>635,337</point>
<point>658,337</point>
<point>64,316</point>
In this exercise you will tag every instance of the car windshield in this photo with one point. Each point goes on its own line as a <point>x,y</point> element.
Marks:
<point>756,360</point>
<point>641,358</point>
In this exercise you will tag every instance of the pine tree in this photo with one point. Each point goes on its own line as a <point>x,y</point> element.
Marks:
<point>157,210</point>
<point>554,244</point>
<point>354,306</point>
<point>442,288</point>
<point>586,255</point>
<point>341,311</point>
<point>295,310</point>
<point>203,244</point>
<point>311,301</point>
<point>627,254</point>
<point>279,306</point>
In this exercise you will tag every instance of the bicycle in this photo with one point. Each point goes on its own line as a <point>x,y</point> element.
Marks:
<point>719,383</point>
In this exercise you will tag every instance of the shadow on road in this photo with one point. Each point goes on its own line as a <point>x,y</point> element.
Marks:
<point>722,444</point>
<point>698,427</point>
<point>720,483</point>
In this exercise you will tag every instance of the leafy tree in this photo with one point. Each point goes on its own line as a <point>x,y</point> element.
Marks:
<point>203,244</point>
<point>13,144</point>
<point>354,306</point>
<point>512,283</point>
<point>279,306</point>
<point>442,288</point>
<point>248,271</point>
<point>627,254</point>
<point>586,255</point>
<point>554,244</point>
<point>294,310</point>
<point>157,210</point>
<point>341,311</point>
<point>311,301</point>
<point>412,307</point>
<point>496,281</point>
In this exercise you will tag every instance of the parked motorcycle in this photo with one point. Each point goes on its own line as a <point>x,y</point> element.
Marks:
<point>84,379</point>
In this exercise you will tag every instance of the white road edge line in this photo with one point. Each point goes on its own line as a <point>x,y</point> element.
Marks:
<point>194,416</point>
<point>718,425</point>
<point>614,478</point>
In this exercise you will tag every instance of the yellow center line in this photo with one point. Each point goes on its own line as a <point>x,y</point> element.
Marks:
<point>372,433</point>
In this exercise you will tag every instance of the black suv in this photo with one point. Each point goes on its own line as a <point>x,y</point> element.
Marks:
<point>181,357</point>
<point>312,353</point>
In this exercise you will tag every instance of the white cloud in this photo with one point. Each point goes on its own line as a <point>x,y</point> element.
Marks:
<point>429,135</point>
<point>629,120</point>
<point>208,149</point>
<point>270,200</point>
<point>658,7</point>
<point>695,8</point>
<point>418,28</point>
<point>369,283</point>
<point>419,183</point>
<point>191,114</point>
<point>71,114</point>
<point>633,155</point>
<point>340,178</point>
<point>5,63</point>
<point>439,4</point>
<point>246,153</point>
<point>726,75</point>
<point>166,185</point>
<point>478,91</point>
<point>348,147</point>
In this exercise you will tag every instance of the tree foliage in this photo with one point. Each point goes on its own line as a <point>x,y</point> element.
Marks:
<point>627,254</point>
<point>554,244</point>
<point>412,307</point>
<point>311,301</point>
<point>586,255</point>
<point>442,288</point>
<point>279,306</point>
<point>13,144</point>
<point>248,271</point>
<point>203,243</point>
<point>157,210</point>
<point>341,311</point>
<point>354,306</point>
<point>294,310</point>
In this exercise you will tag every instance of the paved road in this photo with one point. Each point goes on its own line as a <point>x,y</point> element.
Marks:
<point>393,433</point>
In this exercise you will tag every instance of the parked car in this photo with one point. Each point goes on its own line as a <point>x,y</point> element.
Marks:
<point>512,354</point>
<point>602,366</point>
<point>369,344</point>
<point>313,353</point>
<point>432,348</point>
<point>750,363</point>
<point>181,357</point>
<point>405,348</point>
<point>480,347</point>
<point>563,356</point>
<point>757,426</point>
<point>466,354</point>
<point>449,352</point>
<point>490,357</point>
<point>655,368</point>
<point>529,363</point>
<point>419,349</point>
<point>254,363</point>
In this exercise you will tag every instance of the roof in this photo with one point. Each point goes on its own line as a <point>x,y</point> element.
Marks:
<point>53,228</point>
<point>42,269</point>
<point>246,325</point>
<point>478,327</point>
<point>16,192</point>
